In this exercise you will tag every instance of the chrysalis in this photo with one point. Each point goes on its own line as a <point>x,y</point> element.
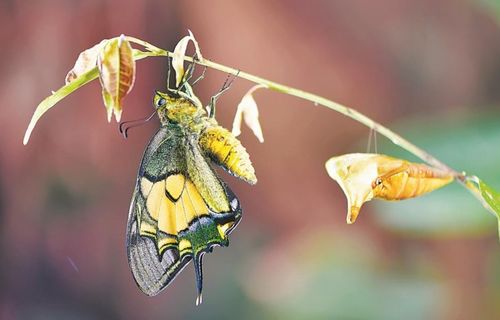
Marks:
<point>363,177</point>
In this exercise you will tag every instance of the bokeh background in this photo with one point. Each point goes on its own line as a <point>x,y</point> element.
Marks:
<point>428,69</point>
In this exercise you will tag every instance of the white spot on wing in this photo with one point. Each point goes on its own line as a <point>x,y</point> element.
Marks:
<point>234,204</point>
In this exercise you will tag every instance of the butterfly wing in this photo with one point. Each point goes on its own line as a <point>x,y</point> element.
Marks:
<point>180,210</point>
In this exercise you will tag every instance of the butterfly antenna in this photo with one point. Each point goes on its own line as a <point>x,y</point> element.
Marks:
<point>125,126</point>
<point>198,269</point>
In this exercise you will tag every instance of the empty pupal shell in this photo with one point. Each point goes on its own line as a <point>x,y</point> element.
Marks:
<point>364,176</point>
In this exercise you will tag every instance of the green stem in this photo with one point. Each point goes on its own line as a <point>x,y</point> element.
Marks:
<point>318,100</point>
<point>349,112</point>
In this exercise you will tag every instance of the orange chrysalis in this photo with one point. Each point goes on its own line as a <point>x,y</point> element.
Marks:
<point>364,176</point>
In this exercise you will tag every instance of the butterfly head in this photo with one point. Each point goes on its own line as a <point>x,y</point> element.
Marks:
<point>175,106</point>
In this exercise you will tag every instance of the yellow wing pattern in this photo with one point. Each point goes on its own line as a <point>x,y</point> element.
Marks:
<point>180,208</point>
<point>172,204</point>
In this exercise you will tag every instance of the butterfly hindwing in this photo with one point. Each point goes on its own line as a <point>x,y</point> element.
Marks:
<point>180,210</point>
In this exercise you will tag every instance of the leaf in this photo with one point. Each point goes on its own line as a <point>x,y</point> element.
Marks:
<point>87,60</point>
<point>57,96</point>
<point>363,177</point>
<point>116,73</point>
<point>179,54</point>
<point>249,112</point>
<point>196,46</point>
<point>84,71</point>
<point>492,199</point>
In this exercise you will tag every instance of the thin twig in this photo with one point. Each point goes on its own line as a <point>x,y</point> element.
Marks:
<point>318,100</point>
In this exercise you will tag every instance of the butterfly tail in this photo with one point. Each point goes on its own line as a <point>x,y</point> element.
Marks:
<point>198,269</point>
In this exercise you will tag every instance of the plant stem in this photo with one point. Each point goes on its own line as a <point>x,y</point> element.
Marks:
<point>460,177</point>
<point>157,51</point>
<point>349,112</point>
<point>318,100</point>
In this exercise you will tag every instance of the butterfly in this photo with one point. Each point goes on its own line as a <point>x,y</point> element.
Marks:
<point>180,208</point>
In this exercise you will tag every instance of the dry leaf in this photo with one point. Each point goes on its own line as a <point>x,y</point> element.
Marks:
<point>249,112</point>
<point>363,177</point>
<point>179,54</point>
<point>116,73</point>
<point>86,61</point>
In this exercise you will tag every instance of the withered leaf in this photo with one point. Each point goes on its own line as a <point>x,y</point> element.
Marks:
<point>249,112</point>
<point>85,62</point>
<point>179,54</point>
<point>116,73</point>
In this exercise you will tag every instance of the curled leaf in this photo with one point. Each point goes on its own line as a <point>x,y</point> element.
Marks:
<point>249,112</point>
<point>85,62</point>
<point>179,54</point>
<point>117,74</point>
<point>363,177</point>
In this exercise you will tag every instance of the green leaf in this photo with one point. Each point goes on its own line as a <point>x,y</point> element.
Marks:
<point>492,198</point>
<point>57,96</point>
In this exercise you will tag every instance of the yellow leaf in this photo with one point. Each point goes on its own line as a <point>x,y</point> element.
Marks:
<point>116,73</point>
<point>249,112</point>
<point>179,54</point>
<point>364,176</point>
<point>86,61</point>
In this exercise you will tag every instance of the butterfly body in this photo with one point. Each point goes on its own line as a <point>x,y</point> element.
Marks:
<point>180,208</point>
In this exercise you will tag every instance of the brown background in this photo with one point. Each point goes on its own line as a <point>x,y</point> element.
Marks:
<point>65,196</point>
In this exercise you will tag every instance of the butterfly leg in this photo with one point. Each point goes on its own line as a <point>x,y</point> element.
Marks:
<point>225,86</point>
<point>200,77</point>
<point>189,72</point>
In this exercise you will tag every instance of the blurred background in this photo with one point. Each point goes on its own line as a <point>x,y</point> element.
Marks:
<point>430,70</point>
